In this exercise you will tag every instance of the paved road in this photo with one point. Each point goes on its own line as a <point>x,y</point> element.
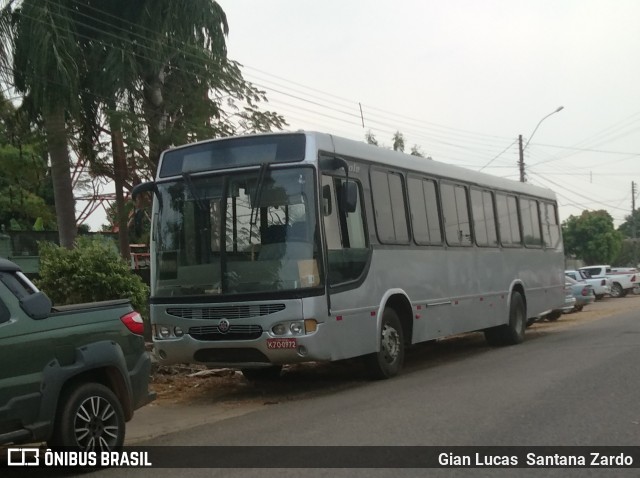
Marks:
<point>572,384</point>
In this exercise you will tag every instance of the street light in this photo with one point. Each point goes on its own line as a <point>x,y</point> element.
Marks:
<point>522,148</point>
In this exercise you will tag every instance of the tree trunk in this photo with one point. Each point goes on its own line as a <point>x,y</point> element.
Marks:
<point>119,176</point>
<point>155,117</point>
<point>61,175</point>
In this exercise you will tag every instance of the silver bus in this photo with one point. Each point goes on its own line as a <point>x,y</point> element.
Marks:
<point>282,248</point>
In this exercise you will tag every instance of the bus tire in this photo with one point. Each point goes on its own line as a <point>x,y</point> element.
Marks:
<point>513,332</point>
<point>266,373</point>
<point>389,360</point>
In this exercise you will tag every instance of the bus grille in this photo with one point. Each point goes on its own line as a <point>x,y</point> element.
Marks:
<point>235,332</point>
<point>227,312</point>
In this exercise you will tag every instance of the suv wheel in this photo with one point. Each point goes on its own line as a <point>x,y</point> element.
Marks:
<point>90,418</point>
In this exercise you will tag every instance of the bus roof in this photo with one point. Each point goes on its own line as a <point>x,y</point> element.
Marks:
<point>386,157</point>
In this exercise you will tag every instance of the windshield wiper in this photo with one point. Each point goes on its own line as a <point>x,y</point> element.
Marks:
<point>257,196</point>
<point>192,189</point>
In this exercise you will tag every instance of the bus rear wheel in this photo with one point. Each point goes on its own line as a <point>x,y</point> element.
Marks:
<point>387,362</point>
<point>513,332</point>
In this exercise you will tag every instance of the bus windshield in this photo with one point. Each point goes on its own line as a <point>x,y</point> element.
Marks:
<point>241,233</point>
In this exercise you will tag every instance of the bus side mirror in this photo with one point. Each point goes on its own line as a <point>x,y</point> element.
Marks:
<point>143,188</point>
<point>350,196</point>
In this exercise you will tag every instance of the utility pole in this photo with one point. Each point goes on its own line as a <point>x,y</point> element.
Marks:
<point>522,148</point>
<point>521,161</point>
<point>633,223</point>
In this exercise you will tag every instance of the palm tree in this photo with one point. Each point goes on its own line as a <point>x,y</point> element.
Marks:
<point>165,60</point>
<point>43,64</point>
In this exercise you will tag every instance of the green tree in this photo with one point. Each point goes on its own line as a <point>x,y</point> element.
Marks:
<point>631,226</point>
<point>629,255</point>
<point>370,138</point>
<point>416,151</point>
<point>592,237</point>
<point>43,63</point>
<point>159,73</point>
<point>398,142</point>
<point>147,74</point>
<point>92,271</point>
<point>25,185</point>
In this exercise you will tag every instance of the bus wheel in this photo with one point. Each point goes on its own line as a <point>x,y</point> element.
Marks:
<point>513,332</point>
<point>388,361</point>
<point>266,373</point>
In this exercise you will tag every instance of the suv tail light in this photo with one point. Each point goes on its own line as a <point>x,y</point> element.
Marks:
<point>633,278</point>
<point>585,291</point>
<point>133,321</point>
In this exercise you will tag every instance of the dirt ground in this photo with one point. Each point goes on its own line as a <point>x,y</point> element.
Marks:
<point>182,384</point>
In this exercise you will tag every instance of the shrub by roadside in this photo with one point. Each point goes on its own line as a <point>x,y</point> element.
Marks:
<point>90,272</point>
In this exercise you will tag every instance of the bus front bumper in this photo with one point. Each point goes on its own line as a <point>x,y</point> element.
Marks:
<point>262,352</point>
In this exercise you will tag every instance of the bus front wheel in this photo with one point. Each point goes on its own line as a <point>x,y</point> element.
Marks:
<point>513,332</point>
<point>388,361</point>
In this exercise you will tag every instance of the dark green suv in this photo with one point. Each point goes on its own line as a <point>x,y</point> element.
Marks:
<point>70,375</point>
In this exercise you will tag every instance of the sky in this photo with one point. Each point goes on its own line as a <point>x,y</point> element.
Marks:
<point>461,79</point>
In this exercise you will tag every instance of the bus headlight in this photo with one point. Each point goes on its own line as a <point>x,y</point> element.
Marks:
<point>297,328</point>
<point>164,332</point>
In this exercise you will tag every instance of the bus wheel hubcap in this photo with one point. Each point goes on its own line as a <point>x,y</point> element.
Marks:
<point>390,343</point>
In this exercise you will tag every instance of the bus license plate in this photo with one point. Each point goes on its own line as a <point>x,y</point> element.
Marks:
<point>281,343</point>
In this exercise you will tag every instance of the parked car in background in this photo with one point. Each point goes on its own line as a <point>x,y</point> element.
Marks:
<point>622,282</point>
<point>629,270</point>
<point>583,293</point>
<point>71,375</point>
<point>601,285</point>
<point>567,306</point>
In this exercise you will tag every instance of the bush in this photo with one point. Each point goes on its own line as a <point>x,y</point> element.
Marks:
<point>90,272</point>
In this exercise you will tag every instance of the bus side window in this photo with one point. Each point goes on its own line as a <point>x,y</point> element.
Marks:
<point>484,222</point>
<point>387,188</point>
<point>425,218</point>
<point>530,222</point>
<point>456,214</point>
<point>508,220</point>
<point>550,227</point>
<point>345,233</point>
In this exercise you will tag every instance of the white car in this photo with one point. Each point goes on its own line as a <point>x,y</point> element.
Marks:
<point>601,286</point>
<point>622,283</point>
<point>628,270</point>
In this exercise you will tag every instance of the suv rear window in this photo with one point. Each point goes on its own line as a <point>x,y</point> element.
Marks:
<point>4,313</point>
<point>18,284</point>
